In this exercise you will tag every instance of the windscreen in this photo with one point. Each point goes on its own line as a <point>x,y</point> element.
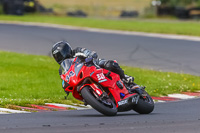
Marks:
<point>66,64</point>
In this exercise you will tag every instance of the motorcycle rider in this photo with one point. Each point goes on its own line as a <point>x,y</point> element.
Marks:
<point>62,50</point>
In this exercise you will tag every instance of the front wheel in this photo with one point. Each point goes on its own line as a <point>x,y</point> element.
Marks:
<point>106,107</point>
<point>145,104</point>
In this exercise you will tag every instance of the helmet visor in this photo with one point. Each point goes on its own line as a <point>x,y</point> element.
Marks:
<point>58,57</point>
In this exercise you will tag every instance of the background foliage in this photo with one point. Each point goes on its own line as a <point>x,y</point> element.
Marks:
<point>181,2</point>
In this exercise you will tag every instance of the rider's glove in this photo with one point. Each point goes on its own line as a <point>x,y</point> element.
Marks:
<point>93,55</point>
<point>81,55</point>
<point>90,54</point>
<point>85,53</point>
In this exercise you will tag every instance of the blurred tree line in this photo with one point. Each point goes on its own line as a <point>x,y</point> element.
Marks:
<point>183,9</point>
<point>180,2</point>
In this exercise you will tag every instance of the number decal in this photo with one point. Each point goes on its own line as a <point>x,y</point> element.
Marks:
<point>100,76</point>
<point>71,74</point>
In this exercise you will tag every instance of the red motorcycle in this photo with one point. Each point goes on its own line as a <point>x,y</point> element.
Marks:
<point>102,89</point>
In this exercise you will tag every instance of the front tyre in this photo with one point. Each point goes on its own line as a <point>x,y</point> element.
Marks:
<point>145,104</point>
<point>89,96</point>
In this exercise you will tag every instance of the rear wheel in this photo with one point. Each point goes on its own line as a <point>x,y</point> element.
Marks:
<point>104,105</point>
<point>145,104</point>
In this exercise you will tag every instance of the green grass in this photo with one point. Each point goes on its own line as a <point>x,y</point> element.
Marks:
<point>152,26</point>
<point>163,83</point>
<point>29,79</point>
<point>34,79</point>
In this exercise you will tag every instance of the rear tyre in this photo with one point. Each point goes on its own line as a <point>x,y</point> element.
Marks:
<point>94,101</point>
<point>145,104</point>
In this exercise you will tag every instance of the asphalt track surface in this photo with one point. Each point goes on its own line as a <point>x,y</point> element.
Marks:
<point>151,52</point>
<point>174,117</point>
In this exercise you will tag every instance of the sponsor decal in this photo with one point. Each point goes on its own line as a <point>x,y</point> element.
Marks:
<point>91,74</point>
<point>135,99</point>
<point>56,51</point>
<point>102,80</point>
<point>122,102</point>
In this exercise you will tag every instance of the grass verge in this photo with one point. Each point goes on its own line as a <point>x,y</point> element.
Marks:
<point>163,83</point>
<point>152,26</point>
<point>29,79</point>
<point>33,79</point>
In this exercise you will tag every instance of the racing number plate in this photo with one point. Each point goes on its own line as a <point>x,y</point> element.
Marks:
<point>101,77</point>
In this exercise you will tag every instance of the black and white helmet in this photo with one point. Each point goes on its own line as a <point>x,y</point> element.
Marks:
<point>61,51</point>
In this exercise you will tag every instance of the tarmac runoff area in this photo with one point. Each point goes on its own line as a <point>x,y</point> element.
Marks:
<point>48,107</point>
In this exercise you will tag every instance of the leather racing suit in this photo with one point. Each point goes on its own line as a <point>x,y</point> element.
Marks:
<point>110,65</point>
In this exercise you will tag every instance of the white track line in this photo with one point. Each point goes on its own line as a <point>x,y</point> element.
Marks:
<point>4,110</point>
<point>3,113</point>
<point>181,96</point>
<point>159,101</point>
<point>69,106</point>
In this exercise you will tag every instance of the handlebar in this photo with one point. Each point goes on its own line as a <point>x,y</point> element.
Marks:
<point>86,60</point>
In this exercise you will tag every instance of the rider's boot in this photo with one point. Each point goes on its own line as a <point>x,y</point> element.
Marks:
<point>128,79</point>
<point>136,89</point>
<point>131,86</point>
